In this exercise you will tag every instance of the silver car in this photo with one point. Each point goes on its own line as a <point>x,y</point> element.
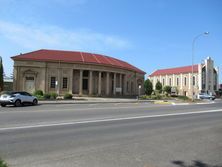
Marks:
<point>206,96</point>
<point>17,98</point>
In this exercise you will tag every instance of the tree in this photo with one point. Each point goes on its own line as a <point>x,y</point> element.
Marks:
<point>167,89</point>
<point>159,86</point>
<point>1,75</point>
<point>148,86</point>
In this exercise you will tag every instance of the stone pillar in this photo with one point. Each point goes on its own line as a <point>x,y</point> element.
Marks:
<point>199,79</point>
<point>120,84</point>
<point>90,82</point>
<point>181,81</point>
<point>70,81</point>
<point>217,75</point>
<point>107,83</point>
<point>189,81</point>
<point>161,80</point>
<point>80,82</point>
<point>59,80</point>
<point>173,80</point>
<point>99,88</point>
<point>124,85</point>
<point>114,84</point>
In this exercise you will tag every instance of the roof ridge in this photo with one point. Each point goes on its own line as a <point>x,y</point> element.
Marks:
<point>82,57</point>
<point>107,58</point>
<point>96,58</point>
<point>176,67</point>
<point>117,62</point>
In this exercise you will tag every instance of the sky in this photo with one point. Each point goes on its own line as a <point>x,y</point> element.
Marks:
<point>149,34</point>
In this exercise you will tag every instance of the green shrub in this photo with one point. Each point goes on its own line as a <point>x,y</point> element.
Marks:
<point>53,95</point>
<point>156,97</point>
<point>39,97</point>
<point>148,86</point>
<point>183,98</point>
<point>2,163</point>
<point>46,96</point>
<point>68,96</point>
<point>144,97</point>
<point>159,86</point>
<point>38,92</point>
<point>167,90</point>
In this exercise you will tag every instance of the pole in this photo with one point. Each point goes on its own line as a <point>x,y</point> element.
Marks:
<point>193,45</point>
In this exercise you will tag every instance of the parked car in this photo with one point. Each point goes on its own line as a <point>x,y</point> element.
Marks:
<point>206,96</point>
<point>17,98</point>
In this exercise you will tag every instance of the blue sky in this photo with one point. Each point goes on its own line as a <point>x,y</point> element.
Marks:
<point>150,34</point>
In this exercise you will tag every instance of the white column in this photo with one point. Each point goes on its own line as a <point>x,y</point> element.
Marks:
<point>154,83</point>
<point>124,84</point>
<point>200,77</point>
<point>120,84</point>
<point>218,78</point>
<point>99,88</point>
<point>181,81</point>
<point>173,80</point>
<point>114,84</point>
<point>107,83</point>
<point>161,80</point>
<point>70,81</point>
<point>90,82</point>
<point>80,82</point>
<point>189,80</point>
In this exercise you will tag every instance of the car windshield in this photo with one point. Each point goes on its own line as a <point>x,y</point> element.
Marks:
<point>7,93</point>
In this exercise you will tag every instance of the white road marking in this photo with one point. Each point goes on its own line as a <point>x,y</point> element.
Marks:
<point>107,120</point>
<point>98,108</point>
<point>179,104</point>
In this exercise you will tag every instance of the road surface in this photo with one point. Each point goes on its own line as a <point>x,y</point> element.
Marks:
<point>131,135</point>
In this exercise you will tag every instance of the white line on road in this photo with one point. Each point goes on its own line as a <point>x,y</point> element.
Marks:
<point>107,120</point>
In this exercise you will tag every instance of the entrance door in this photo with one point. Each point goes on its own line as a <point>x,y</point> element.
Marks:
<point>29,84</point>
<point>85,85</point>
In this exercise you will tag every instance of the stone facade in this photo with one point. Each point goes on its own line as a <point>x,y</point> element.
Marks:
<point>76,78</point>
<point>205,79</point>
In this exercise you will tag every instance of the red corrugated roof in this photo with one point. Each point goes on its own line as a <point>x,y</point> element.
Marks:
<point>75,57</point>
<point>177,70</point>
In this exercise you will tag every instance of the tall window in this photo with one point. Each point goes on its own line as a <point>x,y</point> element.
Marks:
<point>170,81</point>
<point>127,86</point>
<point>53,82</point>
<point>64,83</point>
<point>185,81</point>
<point>194,80</point>
<point>132,87</point>
<point>177,81</point>
<point>163,82</point>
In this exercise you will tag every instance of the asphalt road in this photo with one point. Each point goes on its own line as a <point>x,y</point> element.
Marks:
<point>131,135</point>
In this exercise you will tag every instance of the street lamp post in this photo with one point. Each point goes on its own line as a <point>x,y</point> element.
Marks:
<point>194,40</point>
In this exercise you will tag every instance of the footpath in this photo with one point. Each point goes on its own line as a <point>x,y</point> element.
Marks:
<point>94,100</point>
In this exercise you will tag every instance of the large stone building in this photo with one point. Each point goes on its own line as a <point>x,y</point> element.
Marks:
<point>78,73</point>
<point>205,78</point>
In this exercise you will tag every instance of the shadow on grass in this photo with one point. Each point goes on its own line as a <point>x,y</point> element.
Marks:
<point>195,163</point>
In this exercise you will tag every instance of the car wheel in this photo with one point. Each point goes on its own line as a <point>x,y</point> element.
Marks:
<point>18,103</point>
<point>35,102</point>
<point>3,105</point>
